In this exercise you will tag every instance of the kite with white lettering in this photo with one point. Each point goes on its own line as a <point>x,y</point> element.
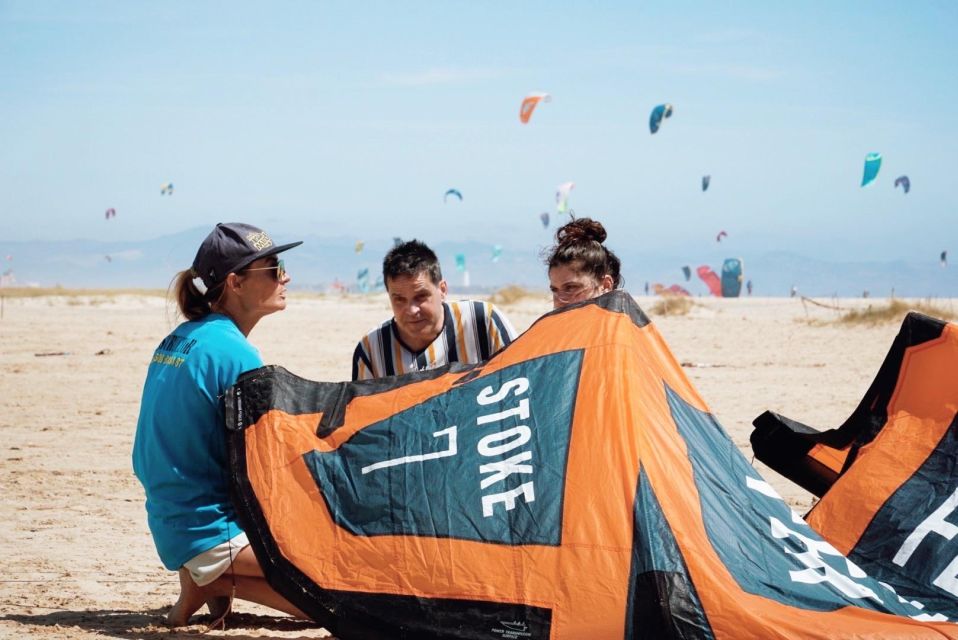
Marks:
<point>887,477</point>
<point>575,485</point>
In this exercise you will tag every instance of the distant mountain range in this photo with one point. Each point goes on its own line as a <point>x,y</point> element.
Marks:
<point>323,261</point>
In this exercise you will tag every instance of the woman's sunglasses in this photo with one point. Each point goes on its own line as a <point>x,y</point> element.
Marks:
<point>280,270</point>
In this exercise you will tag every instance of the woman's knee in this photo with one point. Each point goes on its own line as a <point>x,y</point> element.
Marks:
<point>245,564</point>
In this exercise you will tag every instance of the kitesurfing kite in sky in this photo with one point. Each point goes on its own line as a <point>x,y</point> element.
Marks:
<point>529,104</point>
<point>904,183</point>
<point>544,219</point>
<point>659,113</point>
<point>452,192</point>
<point>721,234</point>
<point>166,189</point>
<point>110,213</point>
<point>872,165</point>
<point>562,196</point>
<point>362,280</point>
<point>463,502</point>
<point>359,246</point>
<point>705,182</point>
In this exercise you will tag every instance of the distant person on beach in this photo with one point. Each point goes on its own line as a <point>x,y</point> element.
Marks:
<point>179,454</point>
<point>425,331</point>
<point>581,267</point>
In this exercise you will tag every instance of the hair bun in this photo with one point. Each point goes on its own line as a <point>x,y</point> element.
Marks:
<point>581,229</point>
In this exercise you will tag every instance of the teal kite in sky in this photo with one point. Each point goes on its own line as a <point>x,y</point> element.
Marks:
<point>872,165</point>
<point>362,280</point>
<point>452,192</point>
<point>659,113</point>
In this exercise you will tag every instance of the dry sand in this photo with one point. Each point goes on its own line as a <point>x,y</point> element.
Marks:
<point>77,555</point>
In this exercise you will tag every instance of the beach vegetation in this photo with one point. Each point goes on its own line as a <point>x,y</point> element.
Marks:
<point>672,305</point>
<point>511,294</point>
<point>63,292</point>
<point>894,311</point>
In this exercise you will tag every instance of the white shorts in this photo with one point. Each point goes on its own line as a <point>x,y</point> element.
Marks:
<point>212,563</point>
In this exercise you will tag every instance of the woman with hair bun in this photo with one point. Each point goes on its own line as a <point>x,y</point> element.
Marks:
<point>580,266</point>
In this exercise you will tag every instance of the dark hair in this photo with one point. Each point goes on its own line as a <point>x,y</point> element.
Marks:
<point>579,243</point>
<point>192,303</point>
<point>410,259</point>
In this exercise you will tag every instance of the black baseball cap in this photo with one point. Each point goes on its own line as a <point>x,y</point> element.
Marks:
<point>230,247</point>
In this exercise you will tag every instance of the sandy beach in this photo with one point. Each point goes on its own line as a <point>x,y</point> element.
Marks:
<point>78,557</point>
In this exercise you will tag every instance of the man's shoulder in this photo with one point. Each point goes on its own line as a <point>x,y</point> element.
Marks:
<point>374,333</point>
<point>469,303</point>
<point>485,305</point>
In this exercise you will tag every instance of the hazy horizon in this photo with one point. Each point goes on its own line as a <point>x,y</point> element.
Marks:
<point>321,261</point>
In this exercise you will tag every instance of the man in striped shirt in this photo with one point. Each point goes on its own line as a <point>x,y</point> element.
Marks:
<point>425,331</point>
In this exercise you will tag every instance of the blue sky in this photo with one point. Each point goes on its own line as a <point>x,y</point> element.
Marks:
<point>352,119</point>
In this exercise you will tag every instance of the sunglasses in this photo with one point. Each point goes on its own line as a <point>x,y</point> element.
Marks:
<point>280,269</point>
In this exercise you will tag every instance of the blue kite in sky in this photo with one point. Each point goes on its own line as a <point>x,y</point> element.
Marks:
<point>659,113</point>
<point>872,165</point>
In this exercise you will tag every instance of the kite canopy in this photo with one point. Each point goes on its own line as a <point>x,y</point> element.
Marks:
<point>687,272</point>
<point>711,280</point>
<point>562,196</point>
<point>732,277</point>
<point>904,183</point>
<point>672,290</point>
<point>886,477</point>
<point>166,189</point>
<point>452,192</point>
<point>110,213</point>
<point>721,234</point>
<point>872,165</point>
<point>943,258</point>
<point>359,246</point>
<point>544,219</point>
<point>705,182</point>
<point>529,104</point>
<point>573,486</point>
<point>658,114</point>
<point>362,280</point>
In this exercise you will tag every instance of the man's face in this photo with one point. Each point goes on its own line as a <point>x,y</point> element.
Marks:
<point>417,307</point>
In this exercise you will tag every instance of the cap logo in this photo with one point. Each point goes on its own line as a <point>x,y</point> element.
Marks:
<point>259,240</point>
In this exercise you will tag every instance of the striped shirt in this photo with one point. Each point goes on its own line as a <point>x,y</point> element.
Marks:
<point>472,331</point>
